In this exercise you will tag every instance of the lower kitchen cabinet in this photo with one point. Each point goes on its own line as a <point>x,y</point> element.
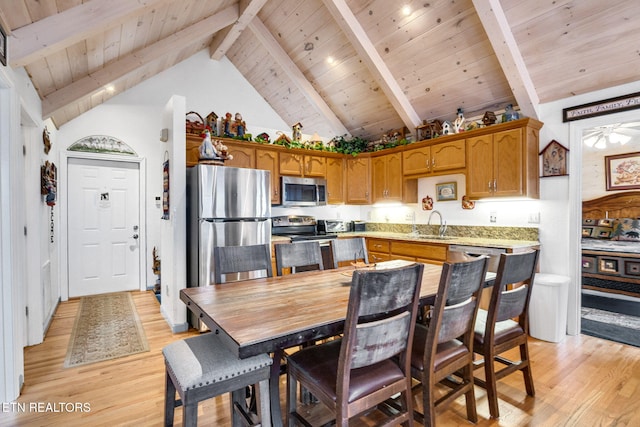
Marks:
<point>378,250</point>
<point>385,250</point>
<point>429,253</point>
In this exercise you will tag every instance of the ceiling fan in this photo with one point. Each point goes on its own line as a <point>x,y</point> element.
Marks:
<point>617,133</point>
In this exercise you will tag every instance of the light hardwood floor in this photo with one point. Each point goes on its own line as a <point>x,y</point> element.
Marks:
<point>583,381</point>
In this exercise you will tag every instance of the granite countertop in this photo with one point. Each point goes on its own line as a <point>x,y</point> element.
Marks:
<point>449,240</point>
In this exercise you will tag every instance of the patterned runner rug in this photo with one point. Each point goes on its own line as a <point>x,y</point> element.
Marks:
<point>611,318</point>
<point>106,327</point>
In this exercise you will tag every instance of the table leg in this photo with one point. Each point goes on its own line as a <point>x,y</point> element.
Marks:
<point>274,388</point>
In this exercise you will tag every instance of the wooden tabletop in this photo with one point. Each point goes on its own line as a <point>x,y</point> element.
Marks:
<point>264,315</point>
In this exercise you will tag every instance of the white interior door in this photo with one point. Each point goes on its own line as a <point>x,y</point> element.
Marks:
<point>103,226</point>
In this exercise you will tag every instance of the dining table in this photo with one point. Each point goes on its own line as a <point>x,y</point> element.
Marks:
<point>272,314</point>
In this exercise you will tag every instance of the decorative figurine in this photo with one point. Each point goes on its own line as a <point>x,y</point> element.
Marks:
<point>296,134</point>
<point>207,150</point>
<point>489,118</point>
<point>467,204</point>
<point>458,124</point>
<point>226,125</point>
<point>283,140</point>
<point>46,140</point>
<point>239,126</point>
<point>447,128</point>
<point>212,123</point>
<point>264,138</point>
<point>427,203</point>
<point>510,114</point>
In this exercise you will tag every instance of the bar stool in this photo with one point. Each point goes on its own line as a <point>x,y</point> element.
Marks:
<point>201,367</point>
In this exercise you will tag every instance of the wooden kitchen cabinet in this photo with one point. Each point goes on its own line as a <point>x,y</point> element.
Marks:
<point>430,253</point>
<point>335,180</point>
<point>503,164</point>
<point>244,156</point>
<point>378,250</point>
<point>443,158</point>
<point>358,181</point>
<point>304,165</point>
<point>385,249</point>
<point>268,160</point>
<point>386,172</point>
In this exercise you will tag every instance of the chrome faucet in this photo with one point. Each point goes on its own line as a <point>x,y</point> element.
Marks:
<point>414,227</point>
<point>443,224</point>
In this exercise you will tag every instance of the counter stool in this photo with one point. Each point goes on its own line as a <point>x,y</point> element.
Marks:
<point>202,367</point>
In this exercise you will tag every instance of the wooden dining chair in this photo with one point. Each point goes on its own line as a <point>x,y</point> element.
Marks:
<point>298,256</point>
<point>241,259</point>
<point>442,352</point>
<point>370,363</point>
<point>349,250</point>
<point>505,325</point>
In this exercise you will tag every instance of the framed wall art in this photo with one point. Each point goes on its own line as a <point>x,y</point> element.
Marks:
<point>446,191</point>
<point>622,171</point>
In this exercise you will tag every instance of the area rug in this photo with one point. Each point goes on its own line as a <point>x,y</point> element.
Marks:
<point>617,327</point>
<point>106,327</point>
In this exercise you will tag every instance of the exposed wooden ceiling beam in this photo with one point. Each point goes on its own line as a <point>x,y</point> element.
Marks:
<point>376,65</point>
<point>226,38</point>
<point>59,31</point>
<point>96,82</point>
<point>504,45</point>
<point>4,24</point>
<point>298,78</point>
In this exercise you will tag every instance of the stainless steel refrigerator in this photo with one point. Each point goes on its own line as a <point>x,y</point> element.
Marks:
<point>225,207</point>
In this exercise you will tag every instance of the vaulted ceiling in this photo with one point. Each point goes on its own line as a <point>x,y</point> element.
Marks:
<point>354,67</point>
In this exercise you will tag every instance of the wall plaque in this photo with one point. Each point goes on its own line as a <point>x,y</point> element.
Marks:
<point>600,108</point>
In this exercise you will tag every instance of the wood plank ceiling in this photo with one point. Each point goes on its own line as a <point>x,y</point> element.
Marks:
<point>340,67</point>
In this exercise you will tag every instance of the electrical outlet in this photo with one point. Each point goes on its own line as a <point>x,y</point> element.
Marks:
<point>409,216</point>
<point>492,217</point>
<point>534,217</point>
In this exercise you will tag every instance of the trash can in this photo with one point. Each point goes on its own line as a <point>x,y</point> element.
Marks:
<point>548,307</point>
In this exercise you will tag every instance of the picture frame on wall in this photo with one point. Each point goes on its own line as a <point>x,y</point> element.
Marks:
<point>446,191</point>
<point>3,47</point>
<point>622,171</point>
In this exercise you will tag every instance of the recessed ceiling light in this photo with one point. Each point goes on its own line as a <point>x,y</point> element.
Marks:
<point>406,10</point>
<point>330,59</point>
<point>110,88</point>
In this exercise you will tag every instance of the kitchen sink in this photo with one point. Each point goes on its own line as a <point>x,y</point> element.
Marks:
<point>434,237</point>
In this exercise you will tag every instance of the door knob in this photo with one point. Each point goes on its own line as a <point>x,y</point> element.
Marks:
<point>135,236</point>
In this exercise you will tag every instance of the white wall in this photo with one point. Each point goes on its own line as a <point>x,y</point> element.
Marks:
<point>18,100</point>
<point>561,196</point>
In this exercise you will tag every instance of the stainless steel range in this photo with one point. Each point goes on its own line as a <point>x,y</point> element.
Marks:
<point>302,227</point>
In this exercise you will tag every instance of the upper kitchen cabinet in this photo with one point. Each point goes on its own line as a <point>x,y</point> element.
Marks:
<point>386,172</point>
<point>358,181</point>
<point>504,163</point>
<point>268,160</point>
<point>335,180</point>
<point>244,156</point>
<point>437,159</point>
<point>302,165</point>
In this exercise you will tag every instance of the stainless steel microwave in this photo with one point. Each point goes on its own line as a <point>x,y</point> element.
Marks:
<point>303,191</point>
